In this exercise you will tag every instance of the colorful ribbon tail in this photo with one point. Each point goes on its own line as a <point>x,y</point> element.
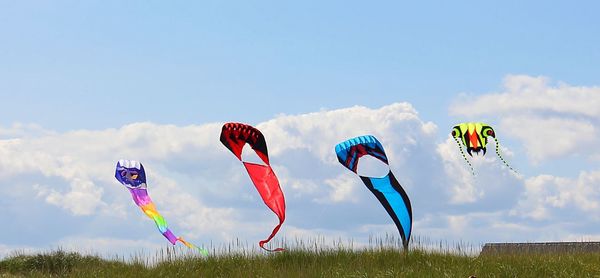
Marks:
<point>169,236</point>
<point>142,199</point>
<point>192,246</point>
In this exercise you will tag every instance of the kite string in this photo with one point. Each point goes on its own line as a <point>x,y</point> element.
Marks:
<point>498,153</point>
<point>464,156</point>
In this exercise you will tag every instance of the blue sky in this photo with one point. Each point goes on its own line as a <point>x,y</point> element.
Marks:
<point>79,72</point>
<point>186,63</point>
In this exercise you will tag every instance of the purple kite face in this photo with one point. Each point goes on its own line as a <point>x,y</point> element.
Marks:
<point>131,173</point>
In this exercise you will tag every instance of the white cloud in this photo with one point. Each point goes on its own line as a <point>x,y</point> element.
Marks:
<point>140,250</point>
<point>551,137</point>
<point>458,171</point>
<point>197,185</point>
<point>319,132</point>
<point>534,94</point>
<point>82,199</point>
<point>13,250</point>
<point>546,196</point>
<point>343,188</point>
<point>23,130</point>
<point>75,171</point>
<point>551,121</point>
<point>582,237</point>
<point>205,195</point>
<point>491,174</point>
<point>556,125</point>
<point>458,223</point>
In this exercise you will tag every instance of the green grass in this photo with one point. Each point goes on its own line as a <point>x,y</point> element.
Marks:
<point>304,262</point>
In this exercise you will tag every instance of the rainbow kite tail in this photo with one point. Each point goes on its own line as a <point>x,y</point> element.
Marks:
<point>192,246</point>
<point>174,239</point>
<point>141,198</point>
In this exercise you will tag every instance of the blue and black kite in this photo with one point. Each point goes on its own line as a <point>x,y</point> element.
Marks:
<point>387,189</point>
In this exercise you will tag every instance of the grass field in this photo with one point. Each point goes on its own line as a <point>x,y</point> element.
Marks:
<point>379,261</point>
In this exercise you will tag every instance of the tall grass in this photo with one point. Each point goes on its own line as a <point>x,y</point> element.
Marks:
<point>380,257</point>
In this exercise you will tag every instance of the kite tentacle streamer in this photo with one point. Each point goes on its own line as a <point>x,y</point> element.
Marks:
<point>464,156</point>
<point>500,156</point>
<point>234,136</point>
<point>132,175</point>
<point>386,189</point>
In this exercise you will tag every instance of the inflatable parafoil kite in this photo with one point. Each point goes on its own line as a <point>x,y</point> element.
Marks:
<point>234,136</point>
<point>387,189</point>
<point>131,174</point>
<point>474,138</point>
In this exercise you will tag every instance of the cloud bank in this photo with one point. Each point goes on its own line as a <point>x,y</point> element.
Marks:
<point>550,121</point>
<point>555,124</point>
<point>58,187</point>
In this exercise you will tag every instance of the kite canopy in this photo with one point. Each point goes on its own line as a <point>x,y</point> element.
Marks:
<point>386,189</point>
<point>234,136</point>
<point>473,136</point>
<point>350,151</point>
<point>131,174</point>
